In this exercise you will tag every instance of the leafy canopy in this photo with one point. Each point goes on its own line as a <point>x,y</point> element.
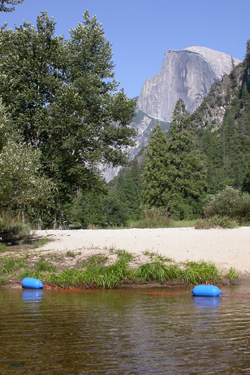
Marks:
<point>62,99</point>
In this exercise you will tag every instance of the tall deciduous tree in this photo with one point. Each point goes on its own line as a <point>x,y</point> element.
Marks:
<point>62,98</point>
<point>21,183</point>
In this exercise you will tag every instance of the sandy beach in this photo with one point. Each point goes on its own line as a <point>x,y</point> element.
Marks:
<point>226,248</point>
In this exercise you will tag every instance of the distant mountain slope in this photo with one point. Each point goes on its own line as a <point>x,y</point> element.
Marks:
<point>186,74</point>
<point>144,124</point>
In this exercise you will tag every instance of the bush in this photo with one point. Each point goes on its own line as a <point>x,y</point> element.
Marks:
<point>11,225</point>
<point>230,203</point>
<point>216,222</point>
<point>153,218</point>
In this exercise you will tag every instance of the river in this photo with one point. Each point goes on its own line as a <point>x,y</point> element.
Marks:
<point>124,332</point>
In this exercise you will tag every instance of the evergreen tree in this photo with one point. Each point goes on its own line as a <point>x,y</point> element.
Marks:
<point>154,172</point>
<point>185,174</point>
<point>4,5</point>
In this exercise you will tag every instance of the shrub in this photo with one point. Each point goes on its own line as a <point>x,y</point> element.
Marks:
<point>153,218</point>
<point>230,203</point>
<point>12,224</point>
<point>216,222</point>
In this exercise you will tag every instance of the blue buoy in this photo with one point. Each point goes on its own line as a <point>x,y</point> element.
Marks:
<point>30,283</point>
<point>206,291</point>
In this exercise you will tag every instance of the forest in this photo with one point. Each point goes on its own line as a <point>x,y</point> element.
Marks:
<point>63,119</point>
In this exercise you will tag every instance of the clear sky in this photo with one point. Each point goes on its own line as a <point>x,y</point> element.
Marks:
<point>141,31</point>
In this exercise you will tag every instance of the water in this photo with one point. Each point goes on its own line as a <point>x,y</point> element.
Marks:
<point>123,332</point>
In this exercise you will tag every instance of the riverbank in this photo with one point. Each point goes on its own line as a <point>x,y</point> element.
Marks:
<point>226,248</point>
<point>130,257</point>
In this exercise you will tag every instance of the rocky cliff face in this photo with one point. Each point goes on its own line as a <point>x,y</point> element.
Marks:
<point>186,74</point>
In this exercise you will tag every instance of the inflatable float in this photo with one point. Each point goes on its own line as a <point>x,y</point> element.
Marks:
<point>206,291</point>
<point>30,283</point>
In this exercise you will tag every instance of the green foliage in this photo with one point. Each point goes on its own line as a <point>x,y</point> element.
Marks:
<point>20,183</point>
<point>153,218</point>
<point>190,273</point>
<point>62,102</point>
<point>3,248</point>
<point>157,271</point>
<point>216,221</point>
<point>174,174</point>
<point>13,224</point>
<point>200,273</point>
<point>43,265</point>
<point>4,5</point>
<point>232,274</point>
<point>227,147</point>
<point>95,274</point>
<point>70,254</point>
<point>39,243</point>
<point>9,264</point>
<point>229,202</point>
<point>32,273</point>
<point>154,172</point>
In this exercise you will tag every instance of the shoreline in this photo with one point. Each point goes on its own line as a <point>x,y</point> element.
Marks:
<point>180,249</point>
<point>226,248</point>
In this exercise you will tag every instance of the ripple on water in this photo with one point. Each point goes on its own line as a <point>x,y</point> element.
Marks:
<point>122,332</point>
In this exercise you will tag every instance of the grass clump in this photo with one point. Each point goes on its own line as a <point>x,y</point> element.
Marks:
<point>200,273</point>
<point>189,273</point>
<point>157,271</point>
<point>32,273</point>
<point>100,276</point>
<point>153,218</point>
<point>4,282</point>
<point>157,257</point>
<point>95,273</point>
<point>232,274</point>
<point>70,254</point>
<point>43,265</point>
<point>39,243</point>
<point>216,221</point>
<point>3,248</point>
<point>9,265</point>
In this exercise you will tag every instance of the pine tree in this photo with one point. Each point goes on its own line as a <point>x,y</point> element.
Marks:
<point>185,174</point>
<point>4,5</point>
<point>154,173</point>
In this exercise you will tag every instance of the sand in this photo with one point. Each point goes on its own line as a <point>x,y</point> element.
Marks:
<point>226,248</point>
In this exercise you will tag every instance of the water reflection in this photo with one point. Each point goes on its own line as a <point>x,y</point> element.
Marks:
<point>206,302</point>
<point>32,295</point>
<point>122,332</point>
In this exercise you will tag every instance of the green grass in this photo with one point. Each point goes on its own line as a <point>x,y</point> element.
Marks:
<point>3,248</point>
<point>39,243</point>
<point>12,224</point>
<point>232,274</point>
<point>70,254</point>
<point>9,265</point>
<point>94,272</point>
<point>157,257</point>
<point>216,222</point>
<point>43,265</point>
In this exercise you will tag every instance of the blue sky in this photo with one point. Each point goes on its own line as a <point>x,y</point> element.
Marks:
<point>141,31</point>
